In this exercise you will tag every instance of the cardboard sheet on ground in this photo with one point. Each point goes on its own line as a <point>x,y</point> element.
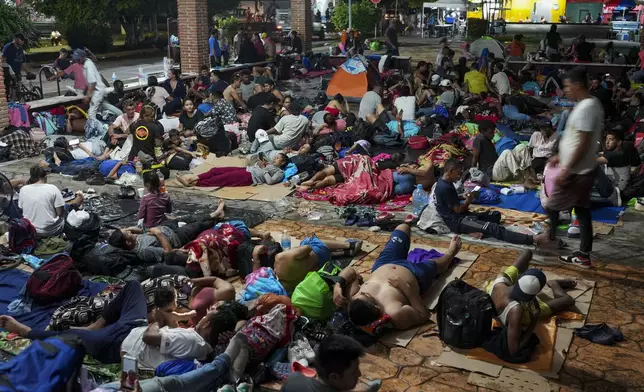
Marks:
<point>226,161</point>
<point>456,271</point>
<point>236,193</point>
<point>271,192</point>
<point>512,381</point>
<point>174,183</point>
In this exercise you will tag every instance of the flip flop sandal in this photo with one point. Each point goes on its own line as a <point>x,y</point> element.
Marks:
<point>351,220</point>
<point>366,221</point>
<point>411,219</point>
<point>355,246</point>
<point>384,217</point>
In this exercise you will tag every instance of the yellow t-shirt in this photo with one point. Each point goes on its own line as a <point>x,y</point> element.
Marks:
<point>476,82</point>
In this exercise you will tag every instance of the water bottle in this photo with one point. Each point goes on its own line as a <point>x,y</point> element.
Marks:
<point>419,199</point>
<point>438,132</point>
<point>285,241</point>
<point>140,76</point>
<point>161,180</point>
<point>113,78</point>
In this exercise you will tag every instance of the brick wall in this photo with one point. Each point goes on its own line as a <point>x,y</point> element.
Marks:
<point>302,21</point>
<point>193,34</point>
<point>4,114</point>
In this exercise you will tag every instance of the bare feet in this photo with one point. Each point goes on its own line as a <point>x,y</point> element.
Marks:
<point>302,188</point>
<point>11,325</point>
<point>455,245</point>
<point>563,283</point>
<point>219,212</point>
<point>477,236</point>
<point>184,181</point>
<point>308,183</point>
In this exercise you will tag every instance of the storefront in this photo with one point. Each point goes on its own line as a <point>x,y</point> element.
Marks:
<point>518,10</point>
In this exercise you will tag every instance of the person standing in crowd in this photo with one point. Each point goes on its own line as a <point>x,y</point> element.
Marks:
<point>391,39</point>
<point>13,55</point>
<point>95,94</point>
<point>215,50</point>
<point>553,41</point>
<point>73,70</point>
<point>296,43</point>
<point>577,162</point>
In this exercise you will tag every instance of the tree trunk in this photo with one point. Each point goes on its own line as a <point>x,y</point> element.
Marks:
<point>133,29</point>
<point>155,26</point>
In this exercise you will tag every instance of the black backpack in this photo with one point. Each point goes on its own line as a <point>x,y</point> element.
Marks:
<point>464,315</point>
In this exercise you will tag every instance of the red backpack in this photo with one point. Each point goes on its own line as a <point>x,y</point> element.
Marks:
<point>58,279</point>
<point>418,142</point>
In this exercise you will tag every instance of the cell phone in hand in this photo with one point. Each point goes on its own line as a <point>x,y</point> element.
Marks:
<point>128,373</point>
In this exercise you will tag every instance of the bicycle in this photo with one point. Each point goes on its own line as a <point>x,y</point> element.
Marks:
<point>19,92</point>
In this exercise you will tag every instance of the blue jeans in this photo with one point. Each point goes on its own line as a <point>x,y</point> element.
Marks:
<point>561,125</point>
<point>638,77</point>
<point>126,312</point>
<point>209,377</point>
<point>404,184</point>
<point>511,112</point>
<point>424,112</point>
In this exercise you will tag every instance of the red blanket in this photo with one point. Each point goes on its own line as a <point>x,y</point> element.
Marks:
<point>364,182</point>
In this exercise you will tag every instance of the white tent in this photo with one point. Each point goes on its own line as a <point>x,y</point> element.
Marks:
<point>489,43</point>
<point>455,5</point>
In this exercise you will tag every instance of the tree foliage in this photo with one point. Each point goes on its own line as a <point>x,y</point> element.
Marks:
<point>14,20</point>
<point>221,7</point>
<point>364,16</point>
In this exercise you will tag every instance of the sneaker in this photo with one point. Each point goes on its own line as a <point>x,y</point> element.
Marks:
<point>577,259</point>
<point>96,179</point>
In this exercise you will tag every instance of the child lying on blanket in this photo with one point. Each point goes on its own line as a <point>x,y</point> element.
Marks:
<point>258,174</point>
<point>514,295</point>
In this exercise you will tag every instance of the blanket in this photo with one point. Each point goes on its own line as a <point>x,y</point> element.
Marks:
<point>364,182</point>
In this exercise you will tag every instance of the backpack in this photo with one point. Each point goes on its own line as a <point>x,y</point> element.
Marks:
<point>50,365</point>
<point>22,236</point>
<point>418,143</point>
<point>58,279</point>
<point>464,315</point>
<point>314,296</point>
<point>47,122</point>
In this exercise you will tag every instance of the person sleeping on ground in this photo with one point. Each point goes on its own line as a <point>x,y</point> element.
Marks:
<point>123,329</point>
<point>260,173</point>
<point>458,218</point>
<point>514,295</point>
<point>396,285</point>
<point>153,246</point>
<point>292,265</point>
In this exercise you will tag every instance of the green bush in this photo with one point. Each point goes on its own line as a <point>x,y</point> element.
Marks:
<point>14,20</point>
<point>476,28</point>
<point>229,26</point>
<point>364,16</point>
<point>96,37</point>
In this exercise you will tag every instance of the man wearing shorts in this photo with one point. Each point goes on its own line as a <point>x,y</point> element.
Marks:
<point>292,265</point>
<point>514,295</point>
<point>396,285</point>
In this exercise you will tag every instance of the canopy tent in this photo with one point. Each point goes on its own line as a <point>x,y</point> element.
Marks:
<point>456,5</point>
<point>489,43</point>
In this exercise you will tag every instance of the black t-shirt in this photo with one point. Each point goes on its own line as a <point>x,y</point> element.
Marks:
<point>297,45</point>
<point>553,39</point>
<point>605,97</point>
<point>144,135</point>
<point>190,122</point>
<point>446,199</point>
<point>625,156</point>
<point>487,155</point>
<point>260,119</point>
<point>392,35</point>
<point>258,99</point>
<point>584,50</point>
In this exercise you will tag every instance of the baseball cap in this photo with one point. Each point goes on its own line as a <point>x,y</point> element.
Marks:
<point>261,136</point>
<point>529,285</point>
<point>78,53</point>
<point>436,79</point>
<point>445,83</point>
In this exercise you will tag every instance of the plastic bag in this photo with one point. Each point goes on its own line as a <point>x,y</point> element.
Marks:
<point>263,281</point>
<point>313,296</point>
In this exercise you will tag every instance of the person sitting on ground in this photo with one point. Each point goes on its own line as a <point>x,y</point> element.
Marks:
<point>457,216</point>
<point>217,84</point>
<point>421,74</point>
<point>500,81</point>
<point>396,284</point>
<point>154,204</point>
<point>443,69</point>
<point>248,85</point>
<point>223,109</point>
<point>157,94</point>
<point>147,132</point>
<point>177,152</point>
<point>474,81</point>
<point>199,89</point>
<point>190,116</point>
<point>543,145</point>
<point>484,154</point>
<point>449,98</point>
<point>177,90</point>
<point>288,132</point>
<point>338,105</point>
<point>582,50</point>
<point>43,205</point>
<point>258,174</point>
<point>337,362</point>
<point>604,94</point>
<point>292,265</point>
<point>119,130</point>
<point>286,106</point>
<point>330,125</point>
<point>516,48</point>
<point>153,246</point>
<point>514,295</point>
<point>263,117</point>
<point>370,101</point>
<point>619,157</point>
<point>122,329</point>
<point>231,96</point>
<point>258,99</point>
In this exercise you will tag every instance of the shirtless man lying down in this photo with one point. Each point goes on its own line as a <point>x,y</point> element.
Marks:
<point>396,285</point>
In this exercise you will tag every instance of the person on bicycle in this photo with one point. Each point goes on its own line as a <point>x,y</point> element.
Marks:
<point>13,57</point>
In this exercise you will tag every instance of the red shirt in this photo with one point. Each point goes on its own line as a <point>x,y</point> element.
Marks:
<point>153,208</point>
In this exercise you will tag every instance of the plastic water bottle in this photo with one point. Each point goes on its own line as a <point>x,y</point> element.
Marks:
<point>285,241</point>
<point>140,76</point>
<point>113,78</point>
<point>161,180</point>
<point>419,199</point>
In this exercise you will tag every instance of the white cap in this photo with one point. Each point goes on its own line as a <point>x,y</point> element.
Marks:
<point>261,136</point>
<point>436,78</point>
<point>445,83</point>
